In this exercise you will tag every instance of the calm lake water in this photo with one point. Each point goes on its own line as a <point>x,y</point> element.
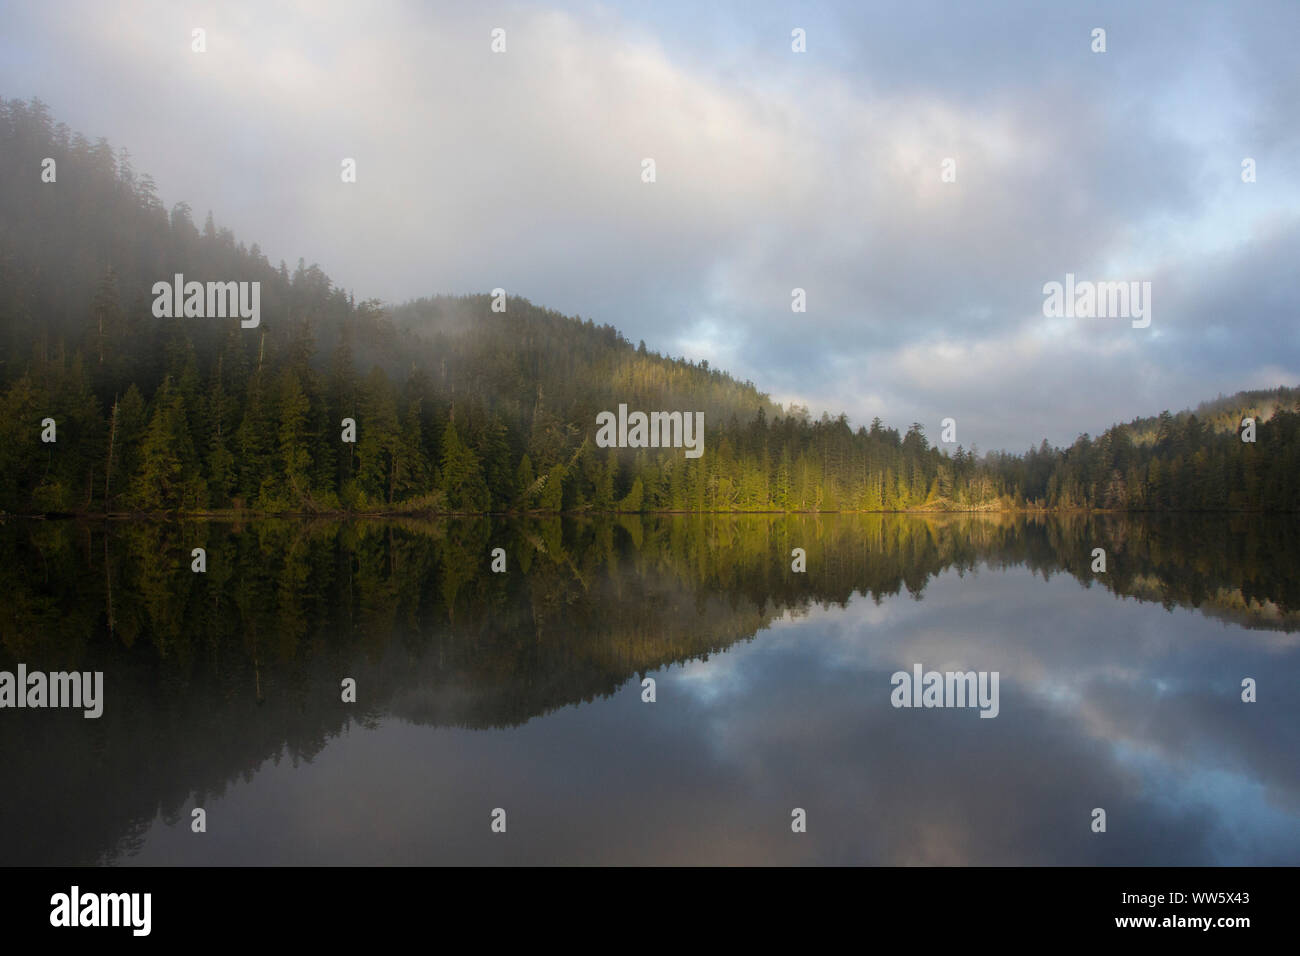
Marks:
<point>523,691</point>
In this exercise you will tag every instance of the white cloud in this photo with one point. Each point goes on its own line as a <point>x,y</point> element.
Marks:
<point>522,170</point>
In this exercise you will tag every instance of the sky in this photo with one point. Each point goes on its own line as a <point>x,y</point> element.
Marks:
<point>820,170</point>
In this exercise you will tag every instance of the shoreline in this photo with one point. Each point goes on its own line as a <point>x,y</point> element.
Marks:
<point>241,515</point>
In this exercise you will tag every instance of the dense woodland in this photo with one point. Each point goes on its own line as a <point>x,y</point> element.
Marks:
<point>458,408</point>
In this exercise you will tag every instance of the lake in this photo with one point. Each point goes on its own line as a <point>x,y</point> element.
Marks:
<point>522,691</point>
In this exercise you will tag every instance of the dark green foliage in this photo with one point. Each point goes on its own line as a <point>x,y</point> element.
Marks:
<point>1192,461</point>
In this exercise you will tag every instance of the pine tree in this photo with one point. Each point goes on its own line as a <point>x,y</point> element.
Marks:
<point>524,481</point>
<point>292,440</point>
<point>462,476</point>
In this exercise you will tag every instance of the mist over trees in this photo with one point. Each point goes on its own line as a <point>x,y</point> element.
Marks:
<point>458,408</point>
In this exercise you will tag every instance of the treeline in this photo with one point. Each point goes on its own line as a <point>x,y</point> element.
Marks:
<point>1192,461</point>
<point>457,407</point>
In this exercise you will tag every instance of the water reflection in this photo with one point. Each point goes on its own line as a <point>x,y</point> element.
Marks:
<point>522,690</point>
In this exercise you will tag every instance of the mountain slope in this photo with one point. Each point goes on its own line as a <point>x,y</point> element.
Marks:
<point>452,404</point>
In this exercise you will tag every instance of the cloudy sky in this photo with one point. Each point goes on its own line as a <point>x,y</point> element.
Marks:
<point>774,170</point>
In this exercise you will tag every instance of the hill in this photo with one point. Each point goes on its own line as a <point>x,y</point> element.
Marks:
<point>465,404</point>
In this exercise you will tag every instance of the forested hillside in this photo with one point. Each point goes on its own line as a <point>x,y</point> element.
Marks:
<point>1191,461</point>
<point>457,407</point>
